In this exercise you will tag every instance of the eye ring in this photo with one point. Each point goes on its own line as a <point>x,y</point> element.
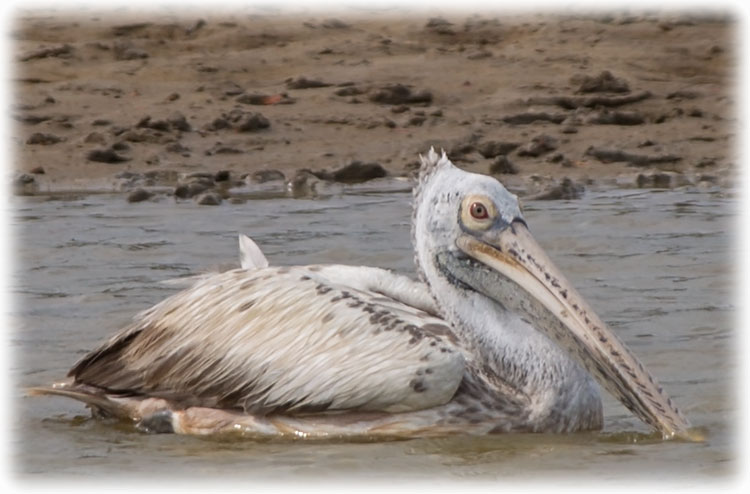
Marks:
<point>478,211</point>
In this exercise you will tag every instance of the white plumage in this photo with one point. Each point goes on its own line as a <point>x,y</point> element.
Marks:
<point>251,257</point>
<point>491,339</point>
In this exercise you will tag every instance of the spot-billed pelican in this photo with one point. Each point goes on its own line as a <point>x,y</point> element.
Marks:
<point>493,339</point>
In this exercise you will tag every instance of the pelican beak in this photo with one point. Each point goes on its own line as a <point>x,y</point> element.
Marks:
<point>525,281</point>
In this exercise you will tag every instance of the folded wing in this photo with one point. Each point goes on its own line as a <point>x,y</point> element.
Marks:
<point>285,340</point>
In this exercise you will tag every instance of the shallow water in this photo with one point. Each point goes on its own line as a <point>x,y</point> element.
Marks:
<point>654,263</point>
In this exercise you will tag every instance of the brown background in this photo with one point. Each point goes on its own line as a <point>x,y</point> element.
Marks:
<point>168,96</point>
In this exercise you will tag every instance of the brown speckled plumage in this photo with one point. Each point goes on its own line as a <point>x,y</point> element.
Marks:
<point>296,342</point>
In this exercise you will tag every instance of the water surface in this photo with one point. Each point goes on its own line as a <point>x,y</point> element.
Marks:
<point>655,264</point>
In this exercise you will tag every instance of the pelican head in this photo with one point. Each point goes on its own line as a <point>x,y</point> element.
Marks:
<point>471,238</point>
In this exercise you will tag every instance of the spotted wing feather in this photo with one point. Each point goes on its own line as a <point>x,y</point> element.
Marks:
<point>282,340</point>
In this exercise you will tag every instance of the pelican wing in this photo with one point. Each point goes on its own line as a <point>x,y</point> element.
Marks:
<point>286,339</point>
<point>251,257</point>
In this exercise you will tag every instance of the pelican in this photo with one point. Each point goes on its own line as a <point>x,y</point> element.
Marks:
<point>492,339</point>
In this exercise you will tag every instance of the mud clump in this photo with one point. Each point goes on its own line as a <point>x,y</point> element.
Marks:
<point>305,83</point>
<point>503,166</point>
<point>357,172</point>
<point>239,120</point>
<point>492,149</point>
<point>606,117</point>
<point>253,123</point>
<point>399,94</point>
<point>532,117</point>
<point>263,176</point>
<point>139,195</point>
<point>209,199</point>
<point>566,190</point>
<point>43,139</point>
<point>62,51</point>
<point>108,155</point>
<point>192,189</point>
<point>610,155</point>
<point>605,82</point>
<point>259,99</point>
<point>176,121</point>
<point>538,146</point>
<point>24,185</point>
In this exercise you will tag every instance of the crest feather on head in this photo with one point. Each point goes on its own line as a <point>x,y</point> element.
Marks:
<point>430,163</point>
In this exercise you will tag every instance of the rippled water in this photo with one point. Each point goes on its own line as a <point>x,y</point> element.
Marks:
<point>654,263</point>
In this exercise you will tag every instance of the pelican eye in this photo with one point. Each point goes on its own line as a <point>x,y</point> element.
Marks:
<point>478,211</point>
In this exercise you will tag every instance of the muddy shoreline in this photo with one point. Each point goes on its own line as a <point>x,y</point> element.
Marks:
<point>207,109</point>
